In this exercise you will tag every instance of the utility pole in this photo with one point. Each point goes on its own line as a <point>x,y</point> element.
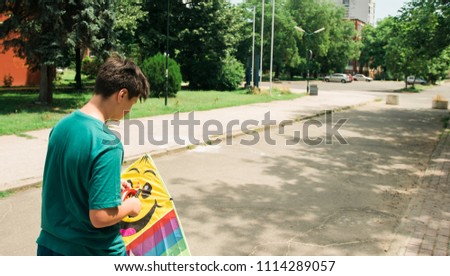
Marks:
<point>262,43</point>
<point>271,44</point>
<point>253,47</point>
<point>167,54</point>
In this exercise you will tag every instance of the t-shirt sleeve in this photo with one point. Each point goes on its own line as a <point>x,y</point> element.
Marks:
<point>104,185</point>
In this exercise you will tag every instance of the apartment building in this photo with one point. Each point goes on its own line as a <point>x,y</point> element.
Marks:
<point>363,10</point>
<point>360,12</point>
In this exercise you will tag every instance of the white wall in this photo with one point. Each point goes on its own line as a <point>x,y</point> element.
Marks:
<point>363,10</point>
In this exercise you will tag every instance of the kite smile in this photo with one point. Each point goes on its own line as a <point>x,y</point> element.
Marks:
<point>133,227</point>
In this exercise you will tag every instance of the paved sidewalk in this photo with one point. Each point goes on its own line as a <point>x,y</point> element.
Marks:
<point>23,158</point>
<point>427,222</point>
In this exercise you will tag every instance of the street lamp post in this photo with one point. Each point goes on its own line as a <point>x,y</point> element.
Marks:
<point>308,55</point>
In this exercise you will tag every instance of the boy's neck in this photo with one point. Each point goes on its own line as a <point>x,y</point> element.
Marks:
<point>97,107</point>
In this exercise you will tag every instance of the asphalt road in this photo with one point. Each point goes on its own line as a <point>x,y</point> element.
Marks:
<point>328,199</point>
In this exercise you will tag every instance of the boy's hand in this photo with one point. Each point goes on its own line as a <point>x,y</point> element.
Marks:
<point>135,206</point>
<point>124,185</point>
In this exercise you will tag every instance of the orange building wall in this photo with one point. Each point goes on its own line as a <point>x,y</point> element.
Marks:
<point>14,66</point>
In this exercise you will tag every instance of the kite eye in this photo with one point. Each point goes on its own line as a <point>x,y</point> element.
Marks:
<point>146,190</point>
<point>131,183</point>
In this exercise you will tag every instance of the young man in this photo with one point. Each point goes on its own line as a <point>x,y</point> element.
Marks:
<point>81,191</point>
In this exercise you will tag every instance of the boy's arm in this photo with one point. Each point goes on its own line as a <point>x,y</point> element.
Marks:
<point>106,217</point>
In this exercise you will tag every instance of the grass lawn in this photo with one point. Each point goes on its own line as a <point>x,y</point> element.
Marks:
<point>416,89</point>
<point>19,113</point>
<point>68,78</point>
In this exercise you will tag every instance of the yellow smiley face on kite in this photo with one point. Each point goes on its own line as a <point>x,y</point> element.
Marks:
<point>146,185</point>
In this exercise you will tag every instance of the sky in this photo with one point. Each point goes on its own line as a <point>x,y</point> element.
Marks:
<point>383,8</point>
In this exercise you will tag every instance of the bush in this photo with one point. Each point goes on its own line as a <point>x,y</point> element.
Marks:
<point>154,68</point>
<point>231,74</point>
<point>90,66</point>
<point>8,80</point>
<point>224,74</point>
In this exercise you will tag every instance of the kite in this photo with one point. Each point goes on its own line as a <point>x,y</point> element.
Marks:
<point>156,230</point>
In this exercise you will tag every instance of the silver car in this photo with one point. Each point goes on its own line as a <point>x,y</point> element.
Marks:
<point>361,77</point>
<point>338,77</point>
<point>412,79</point>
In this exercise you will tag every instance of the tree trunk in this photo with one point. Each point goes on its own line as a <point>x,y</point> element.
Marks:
<point>78,84</point>
<point>45,88</point>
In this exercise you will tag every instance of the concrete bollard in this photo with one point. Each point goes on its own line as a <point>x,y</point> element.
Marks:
<point>392,99</point>
<point>313,90</point>
<point>439,104</point>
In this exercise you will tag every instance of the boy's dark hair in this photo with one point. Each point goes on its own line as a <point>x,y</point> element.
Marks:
<point>117,73</point>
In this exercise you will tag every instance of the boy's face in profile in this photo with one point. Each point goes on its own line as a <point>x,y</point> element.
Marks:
<point>128,104</point>
<point>124,104</point>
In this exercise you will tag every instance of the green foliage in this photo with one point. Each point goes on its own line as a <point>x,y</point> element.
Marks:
<point>50,31</point>
<point>128,14</point>
<point>332,48</point>
<point>230,75</point>
<point>286,53</point>
<point>413,43</point>
<point>206,42</point>
<point>41,28</point>
<point>375,40</point>
<point>439,66</point>
<point>154,69</point>
<point>4,194</point>
<point>90,66</point>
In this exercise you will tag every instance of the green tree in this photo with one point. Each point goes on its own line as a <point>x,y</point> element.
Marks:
<point>128,14</point>
<point>152,29</point>
<point>375,41</point>
<point>206,41</point>
<point>44,32</point>
<point>286,54</point>
<point>90,25</point>
<point>154,69</point>
<point>426,32</point>
<point>413,43</point>
<point>36,31</point>
<point>332,48</point>
<point>399,57</point>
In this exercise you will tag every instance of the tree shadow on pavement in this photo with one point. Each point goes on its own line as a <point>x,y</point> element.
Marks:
<point>307,200</point>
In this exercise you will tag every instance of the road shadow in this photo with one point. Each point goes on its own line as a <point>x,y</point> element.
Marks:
<point>307,200</point>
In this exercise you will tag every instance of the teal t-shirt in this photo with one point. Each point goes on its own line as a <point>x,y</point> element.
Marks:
<point>82,172</point>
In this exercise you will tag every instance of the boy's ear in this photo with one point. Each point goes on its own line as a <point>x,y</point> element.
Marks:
<point>122,94</point>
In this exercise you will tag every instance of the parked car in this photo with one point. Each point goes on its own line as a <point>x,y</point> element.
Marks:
<point>361,77</point>
<point>338,77</point>
<point>412,79</point>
